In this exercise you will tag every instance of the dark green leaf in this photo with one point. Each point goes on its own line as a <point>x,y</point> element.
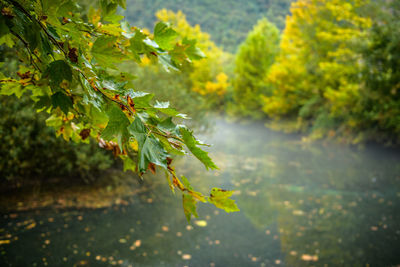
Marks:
<point>59,99</point>
<point>58,71</point>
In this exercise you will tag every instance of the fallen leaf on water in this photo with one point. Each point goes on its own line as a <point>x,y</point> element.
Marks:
<point>4,242</point>
<point>165,228</point>
<point>306,257</point>
<point>30,226</point>
<point>138,243</point>
<point>298,212</point>
<point>201,223</point>
<point>186,256</point>
<point>122,240</point>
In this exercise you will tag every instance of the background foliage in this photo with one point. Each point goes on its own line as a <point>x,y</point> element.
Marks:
<point>31,149</point>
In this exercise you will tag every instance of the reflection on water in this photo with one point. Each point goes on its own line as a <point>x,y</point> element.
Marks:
<point>301,204</point>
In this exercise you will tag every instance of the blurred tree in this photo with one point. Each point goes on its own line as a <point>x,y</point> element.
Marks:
<point>253,61</point>
<point>380,93</point>
<point>317,74</point>
<point>207,75</point>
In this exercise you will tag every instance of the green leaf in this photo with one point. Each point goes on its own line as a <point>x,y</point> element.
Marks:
<point>154,152</point>
<point>150,148</point>
<point>139,131</point>
<point>43,102</point>
<point>105,53</point>
<point>164,35</point>
<point>5,35</point>
<point>116,126</point>
<point>140,99</point>
<point>197,195</point>
<point>191,143</point>
<point>137,44</point>
<point>186,183</point>
<point>220,198</point>
<point>129,164</point>
<point>189,206</point>
<point>11,87</point>
<point>168,126</point>
<point>193,52</point>
<point>59,99</point>
<point>166,61</point>
<point>58,71</point>
<point>164,108</point>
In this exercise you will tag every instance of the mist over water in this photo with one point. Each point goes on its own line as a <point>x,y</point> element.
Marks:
<point>301,204</point>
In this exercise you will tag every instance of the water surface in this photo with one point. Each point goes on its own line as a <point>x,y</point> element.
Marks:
<point>301,205</point>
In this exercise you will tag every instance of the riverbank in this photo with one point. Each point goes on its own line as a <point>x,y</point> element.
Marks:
<point>116,188</point>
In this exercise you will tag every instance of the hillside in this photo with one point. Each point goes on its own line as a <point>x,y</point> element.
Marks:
<point>228,22</point>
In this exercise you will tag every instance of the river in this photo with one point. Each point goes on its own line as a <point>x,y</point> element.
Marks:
<point>302,204</point>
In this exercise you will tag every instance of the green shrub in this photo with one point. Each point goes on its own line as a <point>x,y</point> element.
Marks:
<point>30,149</point>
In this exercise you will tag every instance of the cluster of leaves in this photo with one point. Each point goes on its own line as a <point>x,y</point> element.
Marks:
<point>71,70</point>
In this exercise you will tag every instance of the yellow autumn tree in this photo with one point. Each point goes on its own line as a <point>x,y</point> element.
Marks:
<point>207,75</point>
<point>316,76</point>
